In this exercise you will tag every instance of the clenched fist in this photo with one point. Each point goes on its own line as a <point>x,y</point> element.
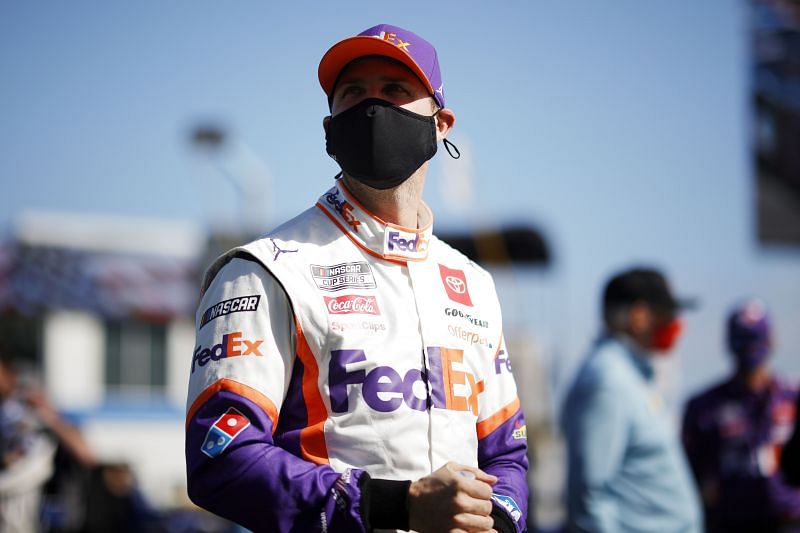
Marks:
<point>455,498</point>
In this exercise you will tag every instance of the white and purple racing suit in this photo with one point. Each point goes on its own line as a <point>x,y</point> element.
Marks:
<point>337,359</point>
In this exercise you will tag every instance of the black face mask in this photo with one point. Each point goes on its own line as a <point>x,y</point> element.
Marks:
<point>379,144</point>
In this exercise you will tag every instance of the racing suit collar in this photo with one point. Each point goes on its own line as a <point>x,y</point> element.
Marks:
<point>378,238</point>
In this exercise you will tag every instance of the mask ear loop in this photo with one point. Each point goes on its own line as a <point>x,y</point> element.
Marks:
<point>450,147</point>
<point>447,144</point>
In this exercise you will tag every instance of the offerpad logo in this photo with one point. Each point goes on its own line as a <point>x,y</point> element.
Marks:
<point>351,304</point>
<point>455,283</point>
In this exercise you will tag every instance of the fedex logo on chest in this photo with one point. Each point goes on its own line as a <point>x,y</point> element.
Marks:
<point>384,389</point>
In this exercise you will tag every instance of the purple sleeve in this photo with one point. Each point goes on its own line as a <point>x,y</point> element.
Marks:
<point>236,471</point>
<point>698,442</point>
<point>503,453</point>
<point>790,458</point>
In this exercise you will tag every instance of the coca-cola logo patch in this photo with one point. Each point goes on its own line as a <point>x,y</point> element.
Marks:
<point>352,304</point>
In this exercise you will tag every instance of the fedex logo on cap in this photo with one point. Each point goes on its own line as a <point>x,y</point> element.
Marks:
<point>394,39</point>
<point>455,284</point>
<point>223,431</point>
<point>424,61</point>
<point>384,389</point>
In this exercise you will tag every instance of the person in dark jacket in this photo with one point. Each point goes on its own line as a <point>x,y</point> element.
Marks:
<point>790,458</point>
<point>734,434</point>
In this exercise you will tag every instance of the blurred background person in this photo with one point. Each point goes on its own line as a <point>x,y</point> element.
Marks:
<point>115,503</point>
<point>31,431</point>
<point>626,469</point>
<point>790,457</point>
<point>734,433</point>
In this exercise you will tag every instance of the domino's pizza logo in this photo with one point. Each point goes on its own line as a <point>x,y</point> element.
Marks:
<point>223,431</point>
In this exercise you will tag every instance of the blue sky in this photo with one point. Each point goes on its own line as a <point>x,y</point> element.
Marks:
<point>618,128</point>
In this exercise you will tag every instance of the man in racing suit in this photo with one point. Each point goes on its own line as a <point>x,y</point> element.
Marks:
<point>350,372</point>
<point>735,431</point>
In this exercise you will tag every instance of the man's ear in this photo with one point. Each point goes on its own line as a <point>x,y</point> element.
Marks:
<point>445,119</point>
<point>325,122</point>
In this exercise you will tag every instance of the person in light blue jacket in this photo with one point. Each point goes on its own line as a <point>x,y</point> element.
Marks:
<point>627,471</point>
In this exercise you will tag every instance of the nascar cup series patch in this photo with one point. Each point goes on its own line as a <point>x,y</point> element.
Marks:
<point>508,503</point>
<point>223,431</point>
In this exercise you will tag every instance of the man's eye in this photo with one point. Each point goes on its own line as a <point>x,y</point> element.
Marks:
<point>352,90</point>
<point>395,88</point>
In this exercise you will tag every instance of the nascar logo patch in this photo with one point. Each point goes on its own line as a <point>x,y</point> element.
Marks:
<point>357,275</point>
<point>226,307</point>
<point>223,431</point>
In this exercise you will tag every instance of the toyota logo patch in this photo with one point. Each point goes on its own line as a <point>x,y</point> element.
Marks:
<point>458,286</point>
<point>455,285</point>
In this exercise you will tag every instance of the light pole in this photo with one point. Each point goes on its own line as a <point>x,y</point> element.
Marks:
<point>242,168</point>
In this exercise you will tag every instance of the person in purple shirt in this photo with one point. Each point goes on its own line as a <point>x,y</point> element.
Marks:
<point>734,433</point>
<point>790,457</point>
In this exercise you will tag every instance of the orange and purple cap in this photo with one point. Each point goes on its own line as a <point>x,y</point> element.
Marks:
<point>389,41</point>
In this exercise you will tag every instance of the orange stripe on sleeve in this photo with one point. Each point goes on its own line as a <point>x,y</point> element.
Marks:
<point>312,437</point>
<point>485,427</point>
<point>237,388</point>
<point>499,346</point>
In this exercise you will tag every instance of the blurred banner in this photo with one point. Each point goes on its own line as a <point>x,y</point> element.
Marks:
<point>776,121</point>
